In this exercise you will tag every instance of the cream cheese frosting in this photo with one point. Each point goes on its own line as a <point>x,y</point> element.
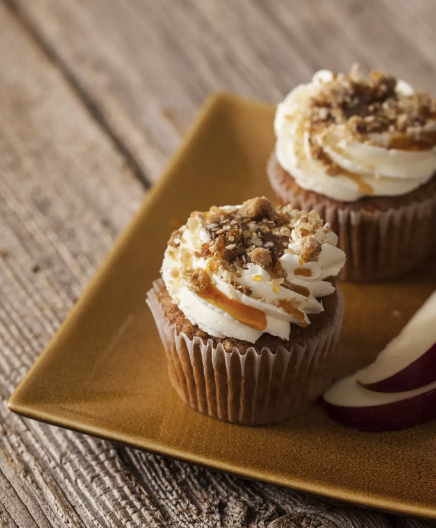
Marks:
<point>244,270</point>
<point>364,164</point>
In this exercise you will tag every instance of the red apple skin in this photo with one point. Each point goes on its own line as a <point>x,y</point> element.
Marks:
<point>418,374</point>
<point>395,416</point>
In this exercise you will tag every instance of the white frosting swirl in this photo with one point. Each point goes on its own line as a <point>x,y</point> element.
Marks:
<point>265,292</point>
<point>385,171</point>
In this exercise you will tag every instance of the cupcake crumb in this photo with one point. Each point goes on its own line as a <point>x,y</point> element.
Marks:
<point>175,238</point>
<point>246,290</point>
<point>257,207</point>
<point>261,257</point>
<point>199,279</point>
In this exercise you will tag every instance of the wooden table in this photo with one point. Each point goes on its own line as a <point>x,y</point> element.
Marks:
<point>94,97</point>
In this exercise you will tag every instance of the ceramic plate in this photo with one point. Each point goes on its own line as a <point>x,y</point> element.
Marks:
<point>104,372</point>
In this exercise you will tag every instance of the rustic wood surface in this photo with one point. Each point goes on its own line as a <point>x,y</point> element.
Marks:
<point>94,97</point>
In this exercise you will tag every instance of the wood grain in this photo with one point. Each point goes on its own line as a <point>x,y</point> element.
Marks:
<point>94,94</point>
<point>146,66</point>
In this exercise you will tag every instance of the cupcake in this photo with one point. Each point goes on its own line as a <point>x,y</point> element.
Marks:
<point>248,311</point>
<point>362,152</point>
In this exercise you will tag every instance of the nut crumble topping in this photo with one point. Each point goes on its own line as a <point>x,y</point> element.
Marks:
<point>256,233</point>
<point>257,207</point>
<point>175,238</point>
<point>261,256</point>
<point>372,105</point>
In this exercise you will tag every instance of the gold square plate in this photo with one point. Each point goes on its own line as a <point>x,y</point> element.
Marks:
<point>104,372</point>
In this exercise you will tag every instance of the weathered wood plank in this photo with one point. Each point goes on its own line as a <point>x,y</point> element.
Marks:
<point>65,193</point>
<point>67,188</point>
<point>10,501</point>
<point>146,66</point>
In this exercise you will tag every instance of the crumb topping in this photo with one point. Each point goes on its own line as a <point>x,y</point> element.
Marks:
<point>370,106</point>
<point>175,238</point>
<point>261,256</point>
<point>256,233</point>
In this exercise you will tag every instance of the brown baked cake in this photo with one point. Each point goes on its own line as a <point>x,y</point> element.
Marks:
<point>248,311</point>
<point>361,151</point>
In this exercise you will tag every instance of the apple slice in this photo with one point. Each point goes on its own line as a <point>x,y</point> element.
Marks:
<point>408,362</point>
<point>352,405</point>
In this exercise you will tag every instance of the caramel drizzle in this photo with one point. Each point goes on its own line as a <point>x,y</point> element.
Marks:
<point>301,290</point>
<point>212,266</point>
<point>333,169</point>
<point>287,306</point>
<point>363,187</point>
<point>404,142</point>
<point>305,272</point>
<point>247,315</point>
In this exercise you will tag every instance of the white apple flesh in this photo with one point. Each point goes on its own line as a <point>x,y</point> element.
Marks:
<point>352,405</point>
<point>409,361</point>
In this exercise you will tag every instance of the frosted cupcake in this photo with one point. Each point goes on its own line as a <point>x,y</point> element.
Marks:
<point>362,152</point>
<point>248,311</point>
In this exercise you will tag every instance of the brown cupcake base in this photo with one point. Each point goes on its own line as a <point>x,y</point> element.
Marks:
<point>246,384</point>
<point>383,236</point>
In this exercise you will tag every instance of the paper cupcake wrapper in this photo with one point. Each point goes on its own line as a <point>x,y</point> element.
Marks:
<point>378,244</point>
<point>252,388</point>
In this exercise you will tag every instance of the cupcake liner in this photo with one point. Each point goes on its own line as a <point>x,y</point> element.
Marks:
<point>378,244</point>
<point>252,388</point>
